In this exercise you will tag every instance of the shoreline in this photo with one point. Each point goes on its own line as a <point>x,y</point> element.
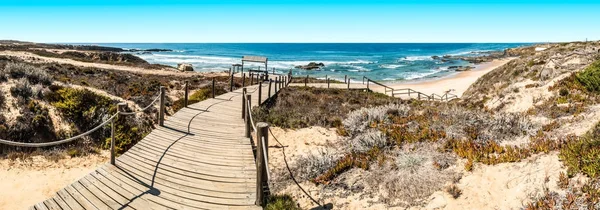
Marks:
<point>458,82</point>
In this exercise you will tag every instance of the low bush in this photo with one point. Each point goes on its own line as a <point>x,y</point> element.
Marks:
<point>83,108</point>
<point>411,178</point>
<point>2,99</point>
<point>590,77</point>
<point>585,197</point>
<point>33,74</point>
<point>582,155</point>
<point>280,202</point>
<point>33,125</point>
<point>299,107</point>
<point>22,90</point>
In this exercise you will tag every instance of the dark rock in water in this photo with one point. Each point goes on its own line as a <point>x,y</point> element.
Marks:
<point>435,57</point>
<point>311,66</point>
<point>460,68</point>
<point>446,56</point>
<point>151,50</point>
<point>445,60</point>
<point>145,53</point>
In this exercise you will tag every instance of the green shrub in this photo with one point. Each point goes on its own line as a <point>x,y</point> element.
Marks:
<point>582,155</point>
<point>280,202</point>
<point>590,77</point>
<point>563,92</point>
<point>127,134</point>
<point>84,108</point>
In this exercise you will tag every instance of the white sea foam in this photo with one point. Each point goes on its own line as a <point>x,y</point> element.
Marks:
<point>391,66</point>
<point>416,58</point>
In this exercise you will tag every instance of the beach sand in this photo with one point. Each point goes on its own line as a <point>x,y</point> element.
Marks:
<point>459,82</point>
<point>27,182</point>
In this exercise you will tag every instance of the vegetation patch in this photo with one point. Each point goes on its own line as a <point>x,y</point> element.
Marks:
<point>299,107</point>
<point>278,202</point>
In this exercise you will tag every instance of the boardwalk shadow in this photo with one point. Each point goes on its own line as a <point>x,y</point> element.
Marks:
<point>324,207</point>
<point>151,189</point>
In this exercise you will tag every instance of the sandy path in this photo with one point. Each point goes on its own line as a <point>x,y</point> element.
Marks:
<point>25,183</point>
<point>459,82</point>
<point>30,57</point>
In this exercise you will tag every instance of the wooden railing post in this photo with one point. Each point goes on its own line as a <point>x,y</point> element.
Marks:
<point>261,165</point>
<point>187,89</point>
<point>270,81</point>
<point>280,82</point>
<point>213,87</point>
<point>231,84</point>
<point>244,80</point>
<point>305,81</point>
<point>248,109</point>
<point>120,108</point>
<point>259,93</point>
<point>328,82</point>
<point>345,78</point>
<point>161,111</point>
<point>244,103</point>
<point>348,83</point>
<point>276,84</point>
<point>251,78</point>
<point>284,84</point>
<point>368,85</point>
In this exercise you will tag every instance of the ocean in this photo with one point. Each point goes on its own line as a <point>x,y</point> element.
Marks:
<point>394,62</point>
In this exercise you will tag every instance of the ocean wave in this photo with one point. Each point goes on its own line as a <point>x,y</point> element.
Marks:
<point>391,66</point>
<point>416,58</point>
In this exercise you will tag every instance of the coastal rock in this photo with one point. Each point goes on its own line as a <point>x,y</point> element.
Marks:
<point>461,68</point>
<point>311,66</point>
<point>185,67</point>
<point>435,57</point>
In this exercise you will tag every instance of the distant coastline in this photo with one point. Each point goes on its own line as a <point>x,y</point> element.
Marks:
<point>390,63</point>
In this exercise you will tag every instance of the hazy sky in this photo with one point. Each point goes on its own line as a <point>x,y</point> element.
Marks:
<point>299,21</point>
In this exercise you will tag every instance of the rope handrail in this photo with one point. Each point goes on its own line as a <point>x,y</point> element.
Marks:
<point>46,144</point>
<point>67,140</point>
<point>262,139</point>
<point>143,109</point>
<point>250,116</point>
<point>290,170</point>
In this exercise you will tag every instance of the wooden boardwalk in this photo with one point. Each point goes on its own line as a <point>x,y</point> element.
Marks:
<point>200,159</point>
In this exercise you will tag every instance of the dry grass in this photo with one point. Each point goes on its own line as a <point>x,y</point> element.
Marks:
<point>300,107</point>
<point>411,178</point>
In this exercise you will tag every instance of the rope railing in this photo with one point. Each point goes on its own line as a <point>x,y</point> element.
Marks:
<point>143,109</point>
<point>54,143</point>
<point>261,130</point>
<point>262,139</point>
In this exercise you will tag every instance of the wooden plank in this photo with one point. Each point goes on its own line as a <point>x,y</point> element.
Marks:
<point>97,202</point>
<point>79,198</point>
<point>73,204</point>
<point>51,204</point>
<point>63,205</point>
<point>178,178</point>
<point>121,189</point>
<point>41,206</point>
<point>92,194</point>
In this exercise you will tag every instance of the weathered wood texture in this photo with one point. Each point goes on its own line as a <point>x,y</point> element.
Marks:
<point>200,159</point>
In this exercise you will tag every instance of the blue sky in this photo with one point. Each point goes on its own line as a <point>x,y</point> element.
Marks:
<point>299,21</point>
